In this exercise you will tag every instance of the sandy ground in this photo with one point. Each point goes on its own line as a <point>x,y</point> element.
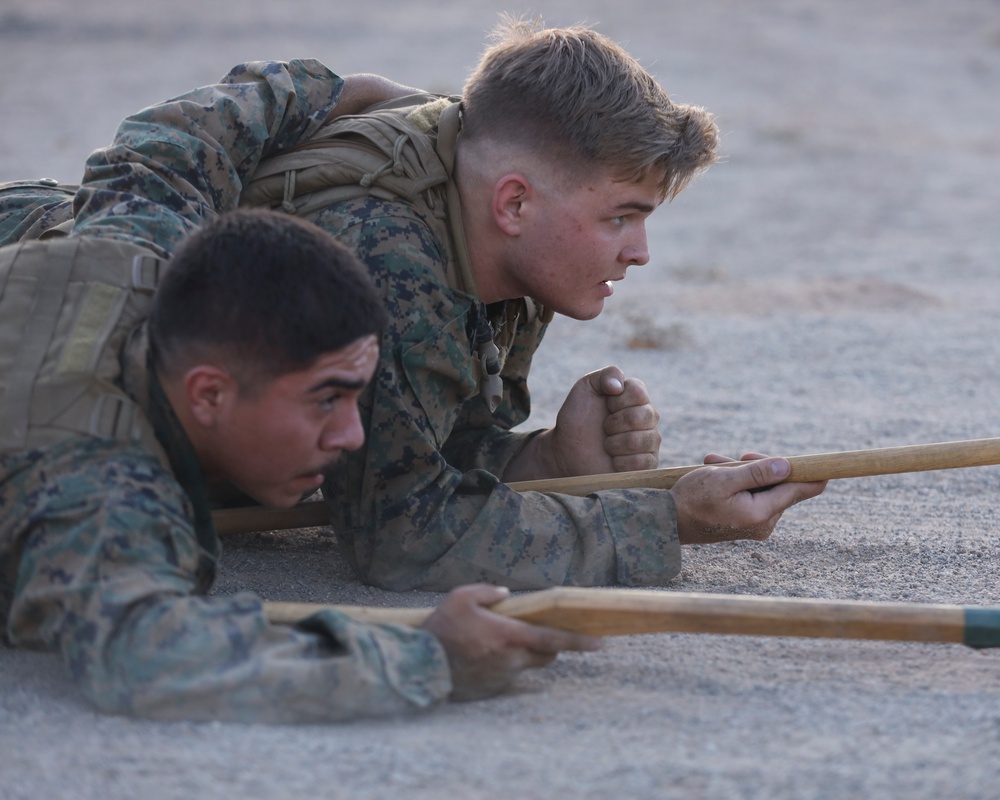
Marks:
<point>832,285</point>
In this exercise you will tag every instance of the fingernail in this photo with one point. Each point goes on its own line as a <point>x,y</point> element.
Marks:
<point>617,385</point>
<point>780,468</point>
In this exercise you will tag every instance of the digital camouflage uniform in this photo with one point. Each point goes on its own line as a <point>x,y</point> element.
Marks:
<point>421,504</point>
<point>107,547</point>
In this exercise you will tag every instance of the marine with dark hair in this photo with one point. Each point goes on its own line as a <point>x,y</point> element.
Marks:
<point>136,391</point>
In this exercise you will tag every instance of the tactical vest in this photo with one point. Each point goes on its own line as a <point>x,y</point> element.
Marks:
<point>68,308</point>
<point>397,151</point>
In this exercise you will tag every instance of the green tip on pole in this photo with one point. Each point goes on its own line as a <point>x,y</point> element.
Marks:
<point>982,627</point>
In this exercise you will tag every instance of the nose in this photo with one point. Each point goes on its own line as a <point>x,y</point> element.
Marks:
<point>636,252</point>
<point>345,431</point>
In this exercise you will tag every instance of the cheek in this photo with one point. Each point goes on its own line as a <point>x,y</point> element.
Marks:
<point>279,439</point>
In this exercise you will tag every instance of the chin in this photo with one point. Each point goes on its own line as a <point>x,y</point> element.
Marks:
<point>275,498</point>
<point>583,314</point>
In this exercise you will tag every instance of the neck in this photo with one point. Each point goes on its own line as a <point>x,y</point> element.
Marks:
<point>187,468</point>
<point>482,260</point>
<point>480,234</point>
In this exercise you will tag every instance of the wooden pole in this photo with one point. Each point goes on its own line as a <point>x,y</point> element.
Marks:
<point>616,612</point>
<point>257,518</point>
<point>817,467</point>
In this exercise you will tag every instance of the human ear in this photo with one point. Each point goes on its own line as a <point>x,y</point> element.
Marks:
<point>209,392</point>
<point>510,193</point>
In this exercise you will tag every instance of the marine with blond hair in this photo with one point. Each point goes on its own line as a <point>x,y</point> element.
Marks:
<point>479,217</point>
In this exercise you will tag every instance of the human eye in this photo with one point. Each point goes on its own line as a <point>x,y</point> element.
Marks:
<point>327,401</point>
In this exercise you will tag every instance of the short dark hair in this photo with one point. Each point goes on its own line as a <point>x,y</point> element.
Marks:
<point>263,294</point>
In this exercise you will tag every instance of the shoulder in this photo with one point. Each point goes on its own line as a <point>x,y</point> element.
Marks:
<point>402,250</point>
<point>373,225</point>
<point>93,473</point>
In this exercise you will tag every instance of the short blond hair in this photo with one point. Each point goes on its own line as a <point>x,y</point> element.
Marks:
<point>574,95</point>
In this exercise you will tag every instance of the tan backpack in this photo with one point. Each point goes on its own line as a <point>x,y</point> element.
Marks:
<point>391,152</point>
<point>68,307</point>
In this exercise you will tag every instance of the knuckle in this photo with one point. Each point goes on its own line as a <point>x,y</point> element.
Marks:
<point>758,473</point>
<point>636,385</point>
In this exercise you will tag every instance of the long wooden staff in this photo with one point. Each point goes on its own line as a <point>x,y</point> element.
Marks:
<point>817,467</point>
<point>615,612</point>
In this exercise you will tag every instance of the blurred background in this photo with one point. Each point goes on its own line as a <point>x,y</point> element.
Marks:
<point>854,210</point>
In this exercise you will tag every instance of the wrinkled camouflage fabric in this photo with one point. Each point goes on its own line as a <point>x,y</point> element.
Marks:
<point>421,505</point>
<point>29,208</point>
<point>99,558</point>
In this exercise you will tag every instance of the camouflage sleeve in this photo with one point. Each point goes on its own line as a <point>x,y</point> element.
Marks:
<point>415,519</point>
<point>482,439</point>
<point>175,164</point>
<point>29,207</point>
<point>106,569</point>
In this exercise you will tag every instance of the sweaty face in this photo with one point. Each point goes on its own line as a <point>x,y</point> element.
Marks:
<point>576,241</point>
<point>276,443</point>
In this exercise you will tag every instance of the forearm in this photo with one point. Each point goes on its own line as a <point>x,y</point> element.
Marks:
<point>198,658</point>
<point>492,449</point>
<point>437,531</point>
<point>532,462</point>
<point>532,540</point>
<point>482,439</point>
<point>175,164</point>
<point>109,573</point>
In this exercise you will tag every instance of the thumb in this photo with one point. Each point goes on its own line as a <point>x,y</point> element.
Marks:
<point>482,594</point>
<point>607,381</point>
<point>765,472</point>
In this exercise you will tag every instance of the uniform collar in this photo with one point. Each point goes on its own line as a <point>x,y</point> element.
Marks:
<point>449,125</point>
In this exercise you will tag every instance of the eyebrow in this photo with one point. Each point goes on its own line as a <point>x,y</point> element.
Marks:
<point>635,205</point>
<point>337,383</point>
